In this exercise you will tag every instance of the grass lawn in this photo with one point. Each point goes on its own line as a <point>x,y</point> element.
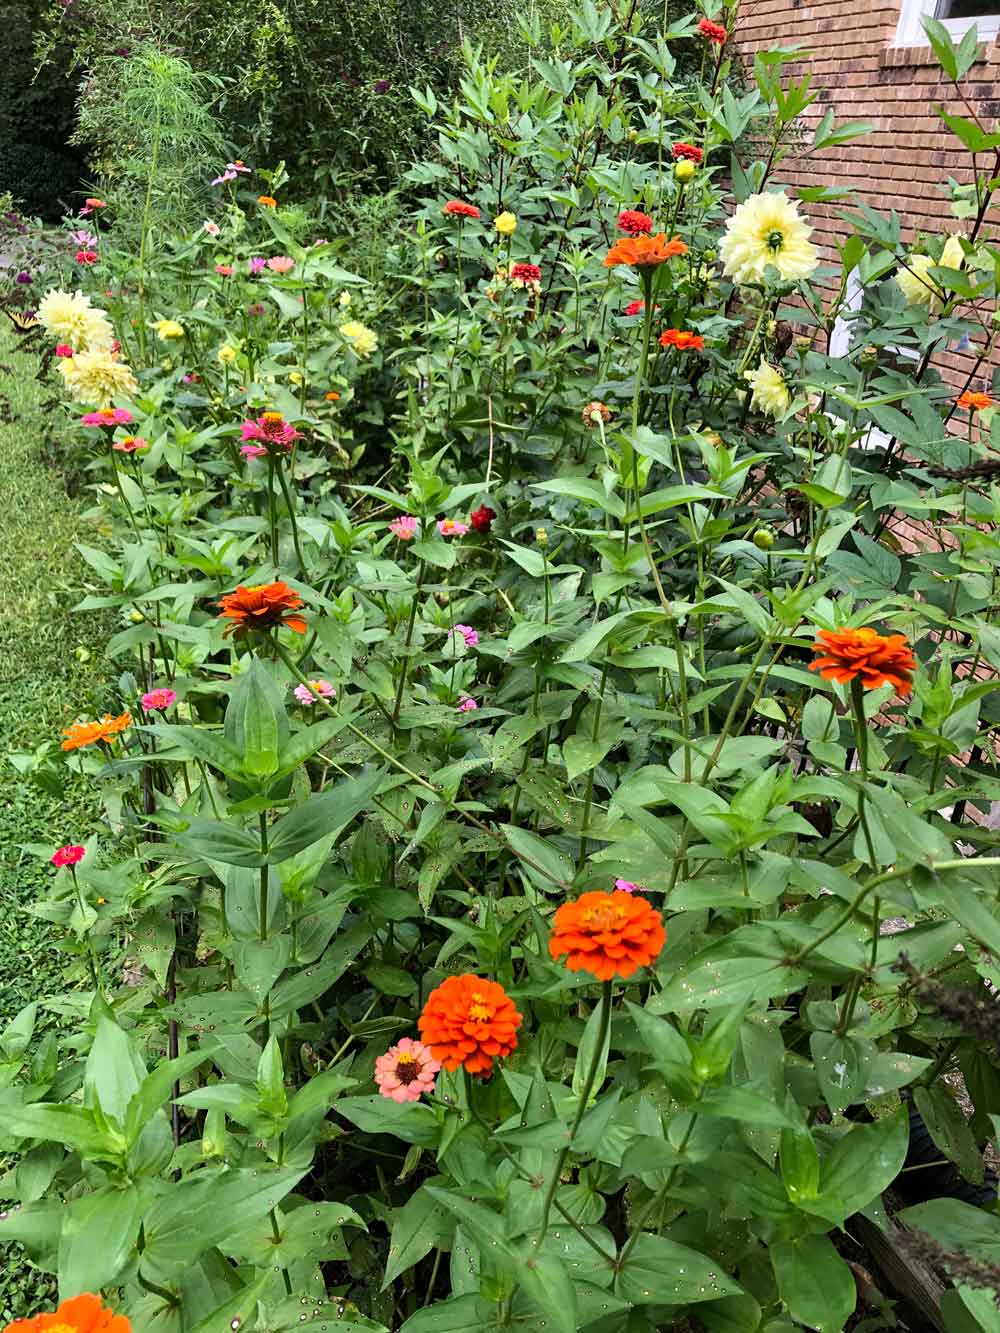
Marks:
<point>43,686</point>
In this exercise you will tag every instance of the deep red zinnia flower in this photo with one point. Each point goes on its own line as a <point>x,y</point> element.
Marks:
<point>457,208</point>
<point>482,518</point>
<point>70,855</point>
<point>635,223</point>
<point>525,273</point>
<point>688,151</point>
<point>715,32</point>
<point>86,256</point>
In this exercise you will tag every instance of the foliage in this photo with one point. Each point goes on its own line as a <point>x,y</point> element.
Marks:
<point>584,660</point>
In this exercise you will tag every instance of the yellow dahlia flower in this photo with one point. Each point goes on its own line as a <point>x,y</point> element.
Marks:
<point>226,354</point>
<point>505,223</point>
<point>769,390</point>
<point>96,378</point>
<point>767,229</point>
<point>917,287</point>
<point>70,318</point>
<point>363,341</point>
<point>167,328</point>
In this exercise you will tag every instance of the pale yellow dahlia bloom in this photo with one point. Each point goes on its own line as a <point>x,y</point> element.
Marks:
<point>767,229</point>
<point>96,378</point>
<point>916,286</point>
<point>769,392</point>
<point>363,341</point>
<point>70,318</point>
<point>167,328</point>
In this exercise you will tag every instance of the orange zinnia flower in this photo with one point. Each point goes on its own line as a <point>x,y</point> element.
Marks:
<point>644,251</point>
<point>973,402</point>
<point>608,934</point>
<point>81,1314</point>
<point>262,607</point>
<point>468,1021</point>
<point>267,200</point>
<point>864,654</point>
<point>332,397</point>
<point>79,734</point>
<point>682,339</point>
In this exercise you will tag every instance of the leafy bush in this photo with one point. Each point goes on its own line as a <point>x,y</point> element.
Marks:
<point>517,654</point>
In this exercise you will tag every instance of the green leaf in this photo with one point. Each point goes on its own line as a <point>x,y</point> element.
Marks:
<point>864,1162</point>
<point>16,1036</point>
<point>950,1130</point>
<point>312,982</point>
<point>957,1226</point>
<point>733,1314</point>
<point>256,723</point>
<point>462,1314</point>
<point>114,1071</point>
<point>412,1122</point>
<point>321,816</point>
<point>214,841</point>
<point>547,1284</point>
<point>73,1126</point>
<point>552,868</point>
<point>422,1224</point>
<point>660,1272</point>
<point>841,1067</point>
<point>814,1283</point>
<point>99,1233</point>
<point>235,1312</point>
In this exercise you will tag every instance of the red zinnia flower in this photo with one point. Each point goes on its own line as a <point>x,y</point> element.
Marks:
<point>469,1021</point>
<point>864,654</point>
<point>644,251</point>
<point>525,273</point>
<point>682,339</point>
<point>70,855</point>
<point>482,518</point>
<point>262,607</point>
<point>457,208</point>
<point>607,934</point>
<point>686,150</point>
<point>86,256</point>
<point>635,307</point>
<point>715,32</point>
<point>634,222</point>
<point>80,1314</point>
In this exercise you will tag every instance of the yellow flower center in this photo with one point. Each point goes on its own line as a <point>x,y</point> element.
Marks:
<point>273,416</point>
<point>608,916</point>
<point>62,1328</point>
<point>479,1009</point>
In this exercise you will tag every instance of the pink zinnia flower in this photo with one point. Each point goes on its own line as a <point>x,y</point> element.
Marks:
<point>256,264</point>
<point>626,886</point>
<point>158,700</point>
<point>108,416</point>
<point>211,227</point>
<point>232,170</point>
<point>63,349</point>
<point>468,634</point>
<point>316,689</point>
<point>467,704</point>
<point>404,527</point>
<point>224,270</point>
<point>449,528</point>
<point>271,430</point>
<point>406,1071</point>
<point>280,264</point>
<point>70,855</point>
<point>86,256</point>
<point>258,308</point>
<point>253,451</point>
<point>130,444</point>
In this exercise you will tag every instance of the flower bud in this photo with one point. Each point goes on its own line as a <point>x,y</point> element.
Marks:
<point>684,170</point>
<point>763,539</point>
<point>542,537</point>
<point>868,357</point>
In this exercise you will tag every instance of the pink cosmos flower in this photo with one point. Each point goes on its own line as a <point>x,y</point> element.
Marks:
<point>130,444</point>
<point>108,416</point>
<point>316,689</point>
<point>157,701</point>
<point>467,704</point>
<point>84,238</point>
<point>232,170</point>
<point>70,855</point>
<point>86,256</point>
<point>406,1071</point>
<point>449,528</point>
<point>280,264</point>
<point>212,228</point>
<point>63,349</point>
<point>224,270</point>
<point>626,886</point>
<point>404,527</point>
<point>468,634</point>
<point>256,264</point>
<point>271,430</point>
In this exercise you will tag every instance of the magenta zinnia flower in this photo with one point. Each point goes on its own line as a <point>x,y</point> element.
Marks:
<point>70,855</point>
<point>626,886</point>
<point>256,264</point>
<point>404,527</point>
<point>64,349</point>
<point>154,701</point>
<point>108,416</point>
<point>406,1071</point>
<point>467,704</point>
<point>272,431</point>
<point>468,634</point>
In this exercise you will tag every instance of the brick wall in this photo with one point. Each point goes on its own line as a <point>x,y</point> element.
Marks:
<point>862,76</point>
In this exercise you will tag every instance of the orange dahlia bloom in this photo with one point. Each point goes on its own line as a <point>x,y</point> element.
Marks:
<point>262,607</point>
<point>81,1314</point>
<point>973,402</point>
<point>608,934</point>
<point>644,251</point>
<point>864,654</point>
<point>682,339</point>
<point>468,1021</point>
<point>79,734</point>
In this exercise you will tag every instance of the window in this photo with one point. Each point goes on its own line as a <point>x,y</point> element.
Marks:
<point>958,16</point>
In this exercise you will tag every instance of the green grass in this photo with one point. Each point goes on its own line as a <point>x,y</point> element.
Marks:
<point>43,686</point>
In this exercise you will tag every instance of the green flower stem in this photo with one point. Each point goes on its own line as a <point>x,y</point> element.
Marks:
<point>271,512</point>
<point>646,276</point>
<point>409,638</point>
<point>95,972</point>
<point>286,492</point>
<point>659,1198</point>
<point>586,1090</point>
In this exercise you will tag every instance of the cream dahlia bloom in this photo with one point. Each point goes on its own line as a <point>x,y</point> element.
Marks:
<point>767,229</point>
<point>769,392</point>
<point>363,341</point>
<point>70,318</point>
<point>96,378</point>
<point>916,286</point>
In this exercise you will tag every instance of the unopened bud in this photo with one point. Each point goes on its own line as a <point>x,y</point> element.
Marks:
<point>868,357</point>
<point>763,539</point>
<point>684,170</point>
<point>542,537</point>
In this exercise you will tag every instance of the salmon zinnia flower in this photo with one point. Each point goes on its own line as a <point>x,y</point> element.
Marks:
<point>682,339</point>
<point>468,1021</point>
<point>79,734</point>
<point>607,934</point>
<point>262,607</point>
<point>644,251</point>
<point>81,1314</point>
<point>864,654</point>
<point>459,209</point>
<point>406,1071</point>
<point>973,402</point>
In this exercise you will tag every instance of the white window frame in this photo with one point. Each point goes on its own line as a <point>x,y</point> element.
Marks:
<point>910,29</point>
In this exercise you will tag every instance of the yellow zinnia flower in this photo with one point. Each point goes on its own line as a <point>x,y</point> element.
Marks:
<point>226,354</point>
<point>363,341</point>
<point>767,229</point>
<point>167,328</point>
<point>916,286</point>
<point>769,390</point>
<point>505,223</point>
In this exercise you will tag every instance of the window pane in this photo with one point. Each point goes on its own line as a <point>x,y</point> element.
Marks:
<point>966,9</point>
